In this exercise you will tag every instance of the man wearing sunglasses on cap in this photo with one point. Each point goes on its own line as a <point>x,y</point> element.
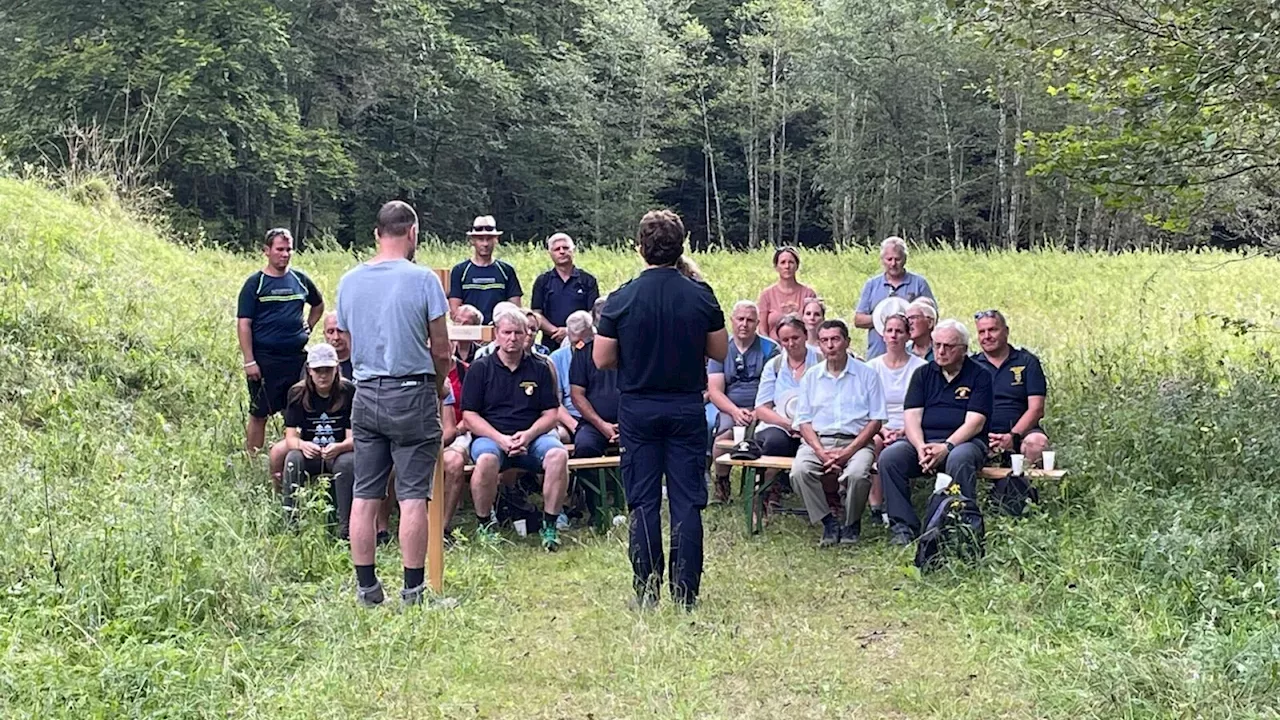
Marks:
<point>483,281</point>
<point>273,334</point>
<point>1019,388</point>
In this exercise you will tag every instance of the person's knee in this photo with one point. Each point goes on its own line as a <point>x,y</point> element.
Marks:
<point>345,465</point>
<point>967,457</point>
<point>487,466</point>
<point>294,460</point>
<point>454,464</point>
<point>555,461</point>
<point>1035,444</point>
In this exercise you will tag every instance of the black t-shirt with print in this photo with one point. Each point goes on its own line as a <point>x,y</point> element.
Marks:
<point>320,425</point>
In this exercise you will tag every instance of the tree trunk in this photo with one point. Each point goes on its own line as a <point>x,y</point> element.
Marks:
<point>1015,190</point>
<point>1002,184</point>
<point>773,146</point>
<point>952,176</point>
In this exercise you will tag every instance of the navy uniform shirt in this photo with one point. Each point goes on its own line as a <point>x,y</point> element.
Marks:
<point>274,304</point>
<point>601,386</point>
<point>556,298</point>
<point>945,403</point>
<point>661,320</point>
<point>1018,378</point>
<point>484,286</point>
<point>510,401</point>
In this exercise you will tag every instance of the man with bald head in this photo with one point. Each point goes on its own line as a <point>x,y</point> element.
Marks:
<point>561,291</point>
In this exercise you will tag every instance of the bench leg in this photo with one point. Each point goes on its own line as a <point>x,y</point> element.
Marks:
<point>748,499</point>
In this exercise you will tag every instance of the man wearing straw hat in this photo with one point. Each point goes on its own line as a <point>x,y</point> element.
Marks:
<point>483,281</point>
<point>393,313</point>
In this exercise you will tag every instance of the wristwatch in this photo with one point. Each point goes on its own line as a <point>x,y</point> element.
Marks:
<point>1017,439</point>
<point>950,445</point>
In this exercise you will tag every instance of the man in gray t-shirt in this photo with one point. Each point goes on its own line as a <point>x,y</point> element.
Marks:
<point>393,313</point>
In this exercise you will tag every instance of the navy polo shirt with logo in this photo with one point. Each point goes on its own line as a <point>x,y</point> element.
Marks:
<point>274,304</point>
<point>509,400</point>
<point>484,286</point>
<point>945,403</point>
<point>661,320</point>
<point>1019,377</point>
<point>601,386</point>
<point>556,298</point>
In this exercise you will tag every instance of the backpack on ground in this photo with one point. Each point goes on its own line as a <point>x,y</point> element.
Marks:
<point>954,528</point>
<point>1013,493</point>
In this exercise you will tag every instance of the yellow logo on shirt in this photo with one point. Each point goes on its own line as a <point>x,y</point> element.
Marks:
<point>962,392</point>
<point>1017,373</point>
<point>529,387</point>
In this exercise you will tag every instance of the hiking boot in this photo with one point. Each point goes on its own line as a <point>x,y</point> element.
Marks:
<point>830,533</point>
<point>723,490</point>
<point>773,500</point>
<point>371,596</point>
<point>878,515</point>
<point>410,597</point>
<point>550,539</point>
<point>849,534</point>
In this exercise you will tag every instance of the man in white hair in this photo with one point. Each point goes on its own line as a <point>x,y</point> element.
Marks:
<point>509,404</point>
<point>732,383</point>
<point>581,330</point>
<point>562,291</point>
<point>945,417</point>
<point>895,281</point>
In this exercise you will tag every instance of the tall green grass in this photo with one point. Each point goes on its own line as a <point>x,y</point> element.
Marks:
<point>146,573</point>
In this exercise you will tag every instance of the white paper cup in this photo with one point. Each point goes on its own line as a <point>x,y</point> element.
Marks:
<point>1050,459</point>
<point>1017,461</point>
<point>739,434</point>
<point>942,483</point>
<point>522,528</point>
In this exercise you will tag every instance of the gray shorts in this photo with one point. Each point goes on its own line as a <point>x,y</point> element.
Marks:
<point>395,422</point>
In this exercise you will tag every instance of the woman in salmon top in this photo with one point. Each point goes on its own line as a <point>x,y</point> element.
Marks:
<point>785,297</point>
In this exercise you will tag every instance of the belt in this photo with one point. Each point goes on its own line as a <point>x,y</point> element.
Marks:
<point>399,380</point>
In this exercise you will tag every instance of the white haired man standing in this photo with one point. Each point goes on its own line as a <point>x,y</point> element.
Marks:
<point>562,291</point>
<point>732,383</point>
<point>945,417</point>
<point>895,281</point>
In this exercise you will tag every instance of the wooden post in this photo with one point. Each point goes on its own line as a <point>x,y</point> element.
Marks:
<point>435,508</point>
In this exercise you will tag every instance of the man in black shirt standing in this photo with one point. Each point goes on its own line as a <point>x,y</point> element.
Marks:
<point>561,291</point>
<point>658,330</point>
<point>272,333</point>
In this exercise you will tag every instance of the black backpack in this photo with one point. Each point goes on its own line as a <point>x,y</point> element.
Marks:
<point>1012,493</point>
<point>954,528</point>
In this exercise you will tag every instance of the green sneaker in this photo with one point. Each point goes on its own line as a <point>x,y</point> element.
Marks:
<point>487,534</point>
<point>550,538</point>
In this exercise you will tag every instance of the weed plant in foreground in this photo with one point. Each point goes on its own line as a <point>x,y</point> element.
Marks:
<point>1146,586</point>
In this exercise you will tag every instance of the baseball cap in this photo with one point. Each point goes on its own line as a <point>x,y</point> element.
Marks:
<point>322,355</point>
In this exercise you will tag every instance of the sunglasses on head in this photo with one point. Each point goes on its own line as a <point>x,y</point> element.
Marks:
<point>986,314</point>
<point>274,233</point>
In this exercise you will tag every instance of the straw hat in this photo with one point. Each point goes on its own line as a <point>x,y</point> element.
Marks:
<point>484,225</point>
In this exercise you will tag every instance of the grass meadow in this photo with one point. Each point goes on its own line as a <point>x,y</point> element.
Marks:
<point>144,570</point>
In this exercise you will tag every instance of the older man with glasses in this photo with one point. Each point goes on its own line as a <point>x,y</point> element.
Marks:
<point>1019,389</point>
<point>945,417</point>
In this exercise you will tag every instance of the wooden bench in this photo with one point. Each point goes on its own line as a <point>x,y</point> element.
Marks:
<point>753,491</point>
<point>602,503</point>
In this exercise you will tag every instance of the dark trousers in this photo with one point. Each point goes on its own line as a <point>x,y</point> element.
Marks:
<point>659,438</point>
<point>588,442</point>
<point>899,463</point>
<point>298,469</point>
<point>776,441</point>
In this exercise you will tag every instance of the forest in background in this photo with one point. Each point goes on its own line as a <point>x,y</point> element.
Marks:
<point>1085,124</point>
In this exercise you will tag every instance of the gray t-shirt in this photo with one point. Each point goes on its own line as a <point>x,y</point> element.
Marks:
<point>386,307</point>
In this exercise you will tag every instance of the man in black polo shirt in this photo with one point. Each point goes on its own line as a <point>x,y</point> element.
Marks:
<point>272,333</point>
<point>510,403</point>
<point>945,415</point>
<point>595,395</point>
<point>658,330</point>
<point>562,290</point>
<point>1019,388</point>
<point>482,281</point>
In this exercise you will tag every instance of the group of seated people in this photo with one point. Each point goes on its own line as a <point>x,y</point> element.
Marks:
<point>915,404</point>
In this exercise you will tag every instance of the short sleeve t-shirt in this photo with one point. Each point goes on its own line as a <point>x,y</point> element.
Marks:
<point>1019,377</point>
<point>320,424</point>
<point>386,308</point>
<point>557,298</point>
<point>509,400</point>
<point>484,286</point>
<point>895,384</point>
<point>661,320</point>
<point>274,304</point>
<point>877,289</point>
<point>601,386</point>
<point>742,370</point>
<point>945,403</point>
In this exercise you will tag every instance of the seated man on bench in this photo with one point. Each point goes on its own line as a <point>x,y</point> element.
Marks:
<point>509,404</point>
<point>595,395</point>
<point>1019,388</point>
<point>732,384</point>
<point>841,409</point>
<point>945,417</point>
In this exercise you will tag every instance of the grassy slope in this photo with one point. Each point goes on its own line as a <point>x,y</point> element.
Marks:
<point>181,597</point>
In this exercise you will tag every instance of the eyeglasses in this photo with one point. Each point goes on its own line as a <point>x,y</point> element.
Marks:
<point>948,346</point>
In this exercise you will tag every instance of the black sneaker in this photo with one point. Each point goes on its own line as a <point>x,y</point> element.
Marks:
<point>370,596</point>
<point>830,533</point>
<point>849,534</point>
<point>410,597</point>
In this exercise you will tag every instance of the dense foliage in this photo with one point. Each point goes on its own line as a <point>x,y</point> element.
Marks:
<point>761,121</point>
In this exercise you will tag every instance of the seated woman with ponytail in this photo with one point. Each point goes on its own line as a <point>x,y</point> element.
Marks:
<point>318,433</point>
